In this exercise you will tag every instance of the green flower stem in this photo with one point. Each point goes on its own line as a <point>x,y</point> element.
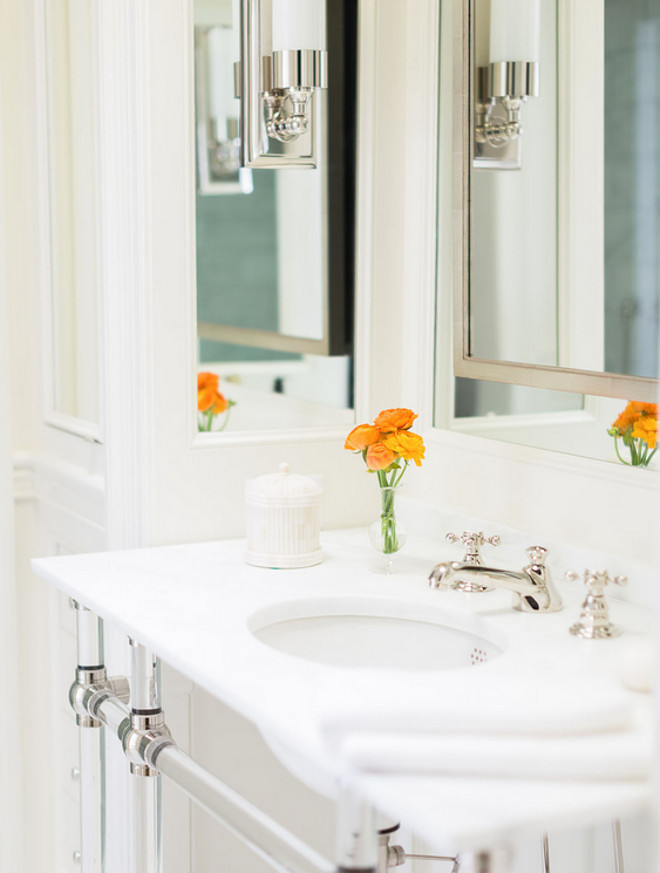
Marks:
<point>226,421</point>
<point>616,447</point>
<point>640,452</point>
<point>388,522</point>
<point>387,516</point>
<point>634,454</point>
<point>205,419</point>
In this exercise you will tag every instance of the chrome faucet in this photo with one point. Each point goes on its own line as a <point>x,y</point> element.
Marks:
<point>533,590</point>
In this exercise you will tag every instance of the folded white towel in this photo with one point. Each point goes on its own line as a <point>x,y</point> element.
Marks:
<point>620,755</point>
<point>567,728</point>
<point>526,705</point>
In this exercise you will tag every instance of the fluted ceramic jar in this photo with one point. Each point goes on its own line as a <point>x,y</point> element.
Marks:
<point>283,522</point>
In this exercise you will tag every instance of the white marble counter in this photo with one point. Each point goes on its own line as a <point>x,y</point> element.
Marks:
<point>191,604</point>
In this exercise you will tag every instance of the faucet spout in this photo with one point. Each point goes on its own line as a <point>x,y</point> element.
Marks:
<point>532,587</point>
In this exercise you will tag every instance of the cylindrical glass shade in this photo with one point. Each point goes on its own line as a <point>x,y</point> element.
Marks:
<point>298,24</point>
<point>514,30</point>
<point>266,27</point>
<point>222,104</point>
<point>236,30</point>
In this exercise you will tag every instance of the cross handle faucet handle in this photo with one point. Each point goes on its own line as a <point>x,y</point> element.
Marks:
<point>473,541</point>
<point>596,580</point>
<point>537,555</point>
<point>594,622</point>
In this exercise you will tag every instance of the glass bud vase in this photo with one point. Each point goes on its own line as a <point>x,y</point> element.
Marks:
<point>387,534</point>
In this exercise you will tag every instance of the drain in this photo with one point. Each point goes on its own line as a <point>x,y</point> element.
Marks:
<point>478,656</point>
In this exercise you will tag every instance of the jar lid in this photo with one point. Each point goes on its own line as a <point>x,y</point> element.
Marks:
<point>283,485</point>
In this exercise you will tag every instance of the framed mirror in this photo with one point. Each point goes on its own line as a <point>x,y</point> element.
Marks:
<point>557,219</point>
<point>70,153</point>
<point>275,248</point>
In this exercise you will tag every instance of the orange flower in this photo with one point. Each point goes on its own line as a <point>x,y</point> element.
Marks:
<point>207,380</point>
<point>220,404</point>
<point>361,437</point>
<point>645,408</point>
<point>646,428</point>
<point>634,411</point>
<point>209,399</point>
<point>379,457</point>
<point>394,419</point>
<point>406,444</point>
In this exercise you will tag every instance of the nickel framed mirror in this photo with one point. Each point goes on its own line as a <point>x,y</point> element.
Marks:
<point>556,271</point>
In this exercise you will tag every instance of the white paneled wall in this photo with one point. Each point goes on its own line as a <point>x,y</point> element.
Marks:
<point>10,732</point>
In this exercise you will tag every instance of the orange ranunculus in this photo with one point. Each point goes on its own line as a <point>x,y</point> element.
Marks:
<point>220,404</point>
<point>634,412</point>
<point>625,419</point>
<point>394,419</point>
<point>361,437</point>
<point>379,457</point>
<point>407,444</point>
<point>646,428</point>
<point>207,380</point>
<point>208,397</point>
<point>645,408</point>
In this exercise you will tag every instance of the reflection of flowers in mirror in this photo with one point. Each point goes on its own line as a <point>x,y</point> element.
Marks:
<point>211,403</point>
<point>637,427</point>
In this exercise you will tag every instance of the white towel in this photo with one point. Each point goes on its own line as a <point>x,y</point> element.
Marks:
<point>579,728</point>
<point>619,755</point>
<point>527,705</point>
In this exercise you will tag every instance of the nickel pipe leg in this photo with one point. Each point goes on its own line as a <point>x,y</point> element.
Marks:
<point>146,715</point>
<point>357,839</point>
<point>495,860</point>
<point>545,845</point>
<point>618,846</point>
<point>90,670</point>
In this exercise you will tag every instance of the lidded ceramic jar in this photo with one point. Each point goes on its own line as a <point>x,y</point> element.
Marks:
<point>283,520</point>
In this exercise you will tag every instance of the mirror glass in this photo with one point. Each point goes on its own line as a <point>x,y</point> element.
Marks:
<point>69,80</point>
<point>563,263</point>
<point>553,259</point>
<point>274,253</point>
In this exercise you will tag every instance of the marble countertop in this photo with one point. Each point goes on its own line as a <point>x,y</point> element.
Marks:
<point>192,605</point>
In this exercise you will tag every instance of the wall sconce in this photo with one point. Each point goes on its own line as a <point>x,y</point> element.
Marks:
<point>503,85</point>
<point>282,69</point>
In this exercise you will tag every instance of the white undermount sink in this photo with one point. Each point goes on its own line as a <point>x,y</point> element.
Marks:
<point>376,633</point>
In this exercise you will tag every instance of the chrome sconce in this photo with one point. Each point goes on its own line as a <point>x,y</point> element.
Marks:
<point>504,83</point>
<point>281,87</point>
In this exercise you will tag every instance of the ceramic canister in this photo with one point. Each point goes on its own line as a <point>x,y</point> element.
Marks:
<point>283,520</point>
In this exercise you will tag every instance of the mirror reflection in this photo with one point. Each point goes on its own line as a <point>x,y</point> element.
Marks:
<point>69,73</point>
<point>273,254</point>
<point>548,285</point>
<point>563,249</point>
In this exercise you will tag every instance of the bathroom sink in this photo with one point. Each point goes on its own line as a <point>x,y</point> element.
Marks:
<point>376,633</point>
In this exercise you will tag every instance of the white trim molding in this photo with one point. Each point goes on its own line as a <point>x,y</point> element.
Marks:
<point>122,54</point>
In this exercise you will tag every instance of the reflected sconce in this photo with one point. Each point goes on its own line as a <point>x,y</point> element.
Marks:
<point>219,168</point>
<point>280,81</point>
<point>503,85</point>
